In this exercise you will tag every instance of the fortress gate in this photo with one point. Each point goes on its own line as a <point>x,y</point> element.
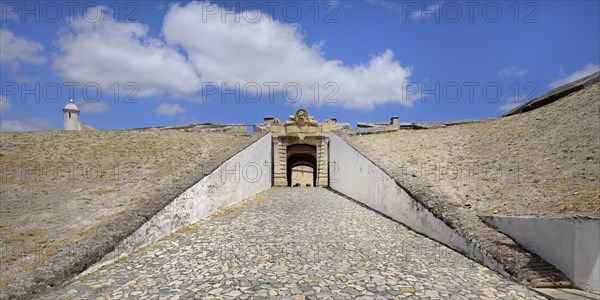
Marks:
<point>300,141</point>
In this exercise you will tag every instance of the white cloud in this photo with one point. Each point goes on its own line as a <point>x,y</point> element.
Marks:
<point>15,50</point>
<point>422,14</point>
<point>587,70</point>
<point>27,124</point>
<point>106,52</point>
<point>512,103</point>
<point>92,107</point>
<point>167,109</point>
<point>4,105</point>
<point>512,71</point>
<point>225,50</point>
<point>229,51</point>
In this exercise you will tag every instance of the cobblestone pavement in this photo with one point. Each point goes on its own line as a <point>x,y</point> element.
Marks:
<point>296,243</point>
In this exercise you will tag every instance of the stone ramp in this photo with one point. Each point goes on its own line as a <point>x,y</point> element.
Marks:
<point>296,243</point>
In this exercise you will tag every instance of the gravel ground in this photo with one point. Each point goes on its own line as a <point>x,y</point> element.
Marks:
<point>59,187</point>
<point>541,163</point>
<point>295,243</point>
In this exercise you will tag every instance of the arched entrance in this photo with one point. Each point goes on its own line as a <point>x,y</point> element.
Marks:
<point>301,142</point>
<point>301,155</point>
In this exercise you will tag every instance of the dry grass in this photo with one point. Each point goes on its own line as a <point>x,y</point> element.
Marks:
<point>56,186</point>
<point>545,162</point>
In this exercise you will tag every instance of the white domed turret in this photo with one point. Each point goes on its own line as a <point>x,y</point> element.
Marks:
<point>71,116</point>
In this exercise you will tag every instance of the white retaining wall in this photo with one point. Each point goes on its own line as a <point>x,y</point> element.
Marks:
<point>572,245</point>
<point>357,177</point>
<point>244,175</point>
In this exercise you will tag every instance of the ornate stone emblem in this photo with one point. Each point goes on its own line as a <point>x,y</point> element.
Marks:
<point>302,118</point>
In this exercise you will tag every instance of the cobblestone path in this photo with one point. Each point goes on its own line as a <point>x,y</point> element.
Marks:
<point>296,243</point>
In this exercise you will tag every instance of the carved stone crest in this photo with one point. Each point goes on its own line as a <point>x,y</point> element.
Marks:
<point>302,118</point>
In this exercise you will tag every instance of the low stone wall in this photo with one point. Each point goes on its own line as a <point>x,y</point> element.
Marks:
<point>358,178</point>
<point>572,245</point>
<point>244,175</point>
<point>355,176</point>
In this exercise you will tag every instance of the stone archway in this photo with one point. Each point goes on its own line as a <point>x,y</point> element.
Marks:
<point>301,155</point>
<point>301,140</point>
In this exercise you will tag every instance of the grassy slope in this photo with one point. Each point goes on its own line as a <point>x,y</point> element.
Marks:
<point>57,187</point>
<point>545,162</point>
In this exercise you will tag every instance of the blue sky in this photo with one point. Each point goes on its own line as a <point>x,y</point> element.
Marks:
<point>167,63</point>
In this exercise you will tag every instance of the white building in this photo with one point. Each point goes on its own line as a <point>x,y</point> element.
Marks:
<point>71,116</point>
